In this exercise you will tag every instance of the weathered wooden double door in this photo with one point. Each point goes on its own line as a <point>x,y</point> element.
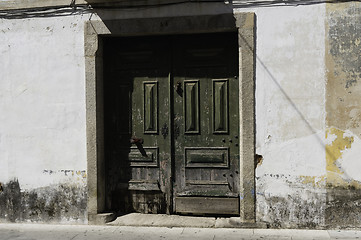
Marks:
<point>172,124</point>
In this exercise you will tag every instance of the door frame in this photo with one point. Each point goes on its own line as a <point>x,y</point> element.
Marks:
<point>243,23</point>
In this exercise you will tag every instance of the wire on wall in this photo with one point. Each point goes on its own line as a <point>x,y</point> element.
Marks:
<point>74,9</point>
<point>93,5</point>
<point>53,11</point>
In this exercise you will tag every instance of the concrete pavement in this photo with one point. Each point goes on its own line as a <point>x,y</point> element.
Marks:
<point>91,232</point>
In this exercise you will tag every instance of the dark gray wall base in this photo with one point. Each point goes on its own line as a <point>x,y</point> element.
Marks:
<point>54,203</point>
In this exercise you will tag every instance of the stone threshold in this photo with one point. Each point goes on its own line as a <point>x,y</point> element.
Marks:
<point>164,220</point>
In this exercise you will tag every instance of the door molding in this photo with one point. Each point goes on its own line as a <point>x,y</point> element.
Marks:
<point>243,23</point>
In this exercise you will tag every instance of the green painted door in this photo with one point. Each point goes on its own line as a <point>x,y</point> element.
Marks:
<point>172,124</point>
<point>207,116</point>
<point>137,125</point>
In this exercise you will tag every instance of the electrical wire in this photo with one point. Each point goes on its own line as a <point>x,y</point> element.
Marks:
<point>53,11</point>
<point>140,4</point>
<point>74,9</point>
<point>80,9</point>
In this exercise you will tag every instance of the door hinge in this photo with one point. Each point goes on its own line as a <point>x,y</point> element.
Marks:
<point>165,130</point>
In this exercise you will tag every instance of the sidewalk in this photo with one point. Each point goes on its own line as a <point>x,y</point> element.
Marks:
<point>89,232</point>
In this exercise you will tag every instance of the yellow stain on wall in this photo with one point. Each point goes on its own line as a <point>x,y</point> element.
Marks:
<point>81,173</point>
<point>315,181</point>
<point>334,152</point>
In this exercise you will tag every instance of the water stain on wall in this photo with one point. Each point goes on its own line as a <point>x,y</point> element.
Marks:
<point>48,204</point>
<point>293,210</point>
<point>343,208</point>
<point>343,65</point>
<point>343,194</point>
<point>343,110</point>
<point>300,205</point>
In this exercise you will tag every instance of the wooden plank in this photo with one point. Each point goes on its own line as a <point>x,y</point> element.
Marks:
<point>143,185</point>
<point>207,205</point>
<point>206,182</point>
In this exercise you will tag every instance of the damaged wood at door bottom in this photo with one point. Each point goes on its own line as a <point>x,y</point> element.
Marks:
<point>207,205</point>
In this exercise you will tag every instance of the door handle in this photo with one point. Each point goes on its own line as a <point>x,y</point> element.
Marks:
<point>164,130</point>
<point>179,89</point>
<point>138,142</point>
<point>134,140</point>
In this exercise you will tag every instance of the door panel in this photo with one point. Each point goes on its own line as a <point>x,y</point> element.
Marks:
<point>171,113</point>
<point>140,67</point>
<point>206,151</point>
<point>145,119</point>
<point>201,205</point>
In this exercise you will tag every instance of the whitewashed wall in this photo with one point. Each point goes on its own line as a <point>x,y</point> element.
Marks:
<point>42,108</point>
<point>290,115</point>
<point>42,92</point>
